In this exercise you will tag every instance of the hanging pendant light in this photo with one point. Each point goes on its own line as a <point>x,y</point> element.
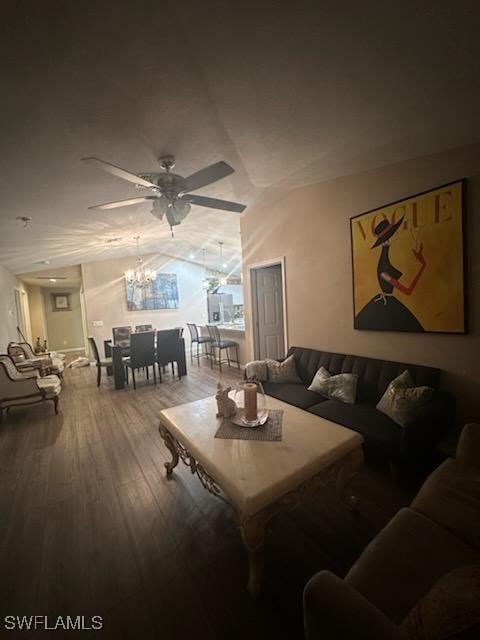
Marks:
<point>140,276</point>
<point>223,280</point>
<point>205,281</point>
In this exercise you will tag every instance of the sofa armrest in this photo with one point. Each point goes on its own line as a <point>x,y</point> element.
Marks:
<point>422,434</point>
<point>468,448</point>
<point>335,611</point>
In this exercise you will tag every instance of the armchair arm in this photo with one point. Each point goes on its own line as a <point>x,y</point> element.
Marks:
<point>335,611</point>
<point>422,434</point>
<point>468,448</point>
<point>23,387</point>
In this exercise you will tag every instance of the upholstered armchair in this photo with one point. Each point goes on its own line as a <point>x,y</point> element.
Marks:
<point>18,388</point>
<point>43,363</point>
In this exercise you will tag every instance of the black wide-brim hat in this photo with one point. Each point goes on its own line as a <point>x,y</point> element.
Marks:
<point>385,230</point>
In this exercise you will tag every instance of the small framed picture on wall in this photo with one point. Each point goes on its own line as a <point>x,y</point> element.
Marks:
<point>61,301</point>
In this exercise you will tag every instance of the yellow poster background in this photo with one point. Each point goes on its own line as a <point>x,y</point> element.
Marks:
<point>433,219</point>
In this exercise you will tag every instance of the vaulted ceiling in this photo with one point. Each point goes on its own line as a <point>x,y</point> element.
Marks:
<point>288,93</point>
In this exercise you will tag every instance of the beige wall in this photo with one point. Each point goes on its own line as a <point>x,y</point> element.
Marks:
<point>64,328</point>
<point>310,227</point>
<point>105,296</point>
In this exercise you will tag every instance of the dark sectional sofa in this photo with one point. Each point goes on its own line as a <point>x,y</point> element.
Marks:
<point>408,449</point>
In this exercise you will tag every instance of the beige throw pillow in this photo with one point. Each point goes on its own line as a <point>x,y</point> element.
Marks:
<point>283,371</point>
<point>256,370</point>
<point>402,400</point>
<point>341,387</point>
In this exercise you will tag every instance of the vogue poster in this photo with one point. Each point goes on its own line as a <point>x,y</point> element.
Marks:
<point>408,264</point>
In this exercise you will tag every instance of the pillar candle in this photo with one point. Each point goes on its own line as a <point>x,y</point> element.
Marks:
<point>250,392</point>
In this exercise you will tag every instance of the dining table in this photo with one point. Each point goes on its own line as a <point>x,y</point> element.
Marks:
<point>117,353</point>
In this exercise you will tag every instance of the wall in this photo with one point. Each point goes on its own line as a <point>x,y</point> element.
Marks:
<point>310,227</point>
<point>64,328</point>
<point>105,299</point>
<point>8,320</point>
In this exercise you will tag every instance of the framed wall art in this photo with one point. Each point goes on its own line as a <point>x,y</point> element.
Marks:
<point>61,302</point>
<point>161,293</point>
<point>408,264</point>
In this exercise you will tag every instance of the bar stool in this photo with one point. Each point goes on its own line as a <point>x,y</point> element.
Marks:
<point>218,343</point>
<point>195,337</point>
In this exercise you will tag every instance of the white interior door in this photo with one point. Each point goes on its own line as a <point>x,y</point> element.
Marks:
<point>267,312</point>
<point>23,318</point>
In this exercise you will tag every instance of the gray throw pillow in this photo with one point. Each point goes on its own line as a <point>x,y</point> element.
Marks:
<point>402,400</point>
<point>283,371</point>
<point>341,387</point>
<point>256,370</point>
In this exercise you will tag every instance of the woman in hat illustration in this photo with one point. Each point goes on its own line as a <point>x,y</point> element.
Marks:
<point>385,312</point>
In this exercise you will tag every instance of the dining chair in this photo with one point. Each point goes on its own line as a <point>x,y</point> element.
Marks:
<point>143,327</point>
<point>101,362</point>
<point>217,342</point>
<point>121,336</point>
<point>142,354</point>
<point>196,338</point>
<point>168,344</point>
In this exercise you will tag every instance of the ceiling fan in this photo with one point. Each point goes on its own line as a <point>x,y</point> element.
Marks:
<point>171,192</point>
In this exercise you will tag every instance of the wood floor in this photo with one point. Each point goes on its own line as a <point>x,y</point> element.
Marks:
<point>90,526</point>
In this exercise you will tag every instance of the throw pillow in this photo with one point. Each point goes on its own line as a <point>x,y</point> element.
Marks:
<point>256,370</point>
<point>283,371</point>
<point>402,400</point>
<point>451,609</point>
<point>341,387</point>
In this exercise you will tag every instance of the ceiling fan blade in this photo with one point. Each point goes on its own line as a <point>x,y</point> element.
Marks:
<point>208,175</point>
<point>118,172</point>
<point>123,203</point>
<point>214,203</point>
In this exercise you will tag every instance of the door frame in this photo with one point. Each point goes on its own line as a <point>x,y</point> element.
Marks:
<point>251,321</point>
<point>21,296</point>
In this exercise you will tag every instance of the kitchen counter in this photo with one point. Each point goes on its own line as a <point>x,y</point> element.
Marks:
<point>231,327</point>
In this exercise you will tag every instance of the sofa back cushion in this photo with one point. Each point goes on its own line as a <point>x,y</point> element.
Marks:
<point>309,361</point>
<point>374,375</point>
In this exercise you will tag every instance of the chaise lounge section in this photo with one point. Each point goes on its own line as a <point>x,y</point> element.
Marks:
<point>408,449</point>
<point>420,576</point>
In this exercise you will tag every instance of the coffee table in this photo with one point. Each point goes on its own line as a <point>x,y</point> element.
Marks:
<point>260,478</point>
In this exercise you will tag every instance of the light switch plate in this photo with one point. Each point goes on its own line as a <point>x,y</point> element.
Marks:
<point>98,323</point>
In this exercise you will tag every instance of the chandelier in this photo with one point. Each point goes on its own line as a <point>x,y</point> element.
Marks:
<point>140,276</point>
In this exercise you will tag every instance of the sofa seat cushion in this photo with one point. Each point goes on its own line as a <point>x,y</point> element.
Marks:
<point>404,560</point>
<point>451,497</point>
<point>451,609</point>
<point>294,394</point>
<point>382,435</point>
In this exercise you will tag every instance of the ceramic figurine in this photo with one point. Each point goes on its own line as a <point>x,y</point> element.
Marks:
<point>226,407</point>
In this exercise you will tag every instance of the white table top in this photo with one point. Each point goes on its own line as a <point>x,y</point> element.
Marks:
<point>252,473</point>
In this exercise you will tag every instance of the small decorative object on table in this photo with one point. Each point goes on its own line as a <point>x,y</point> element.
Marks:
<point>226,407</point>
<point>250,400</point>
<point>39,348</point>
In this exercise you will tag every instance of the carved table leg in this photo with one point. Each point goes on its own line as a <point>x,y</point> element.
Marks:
<point>253,534</point>
<point>170,444</point>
